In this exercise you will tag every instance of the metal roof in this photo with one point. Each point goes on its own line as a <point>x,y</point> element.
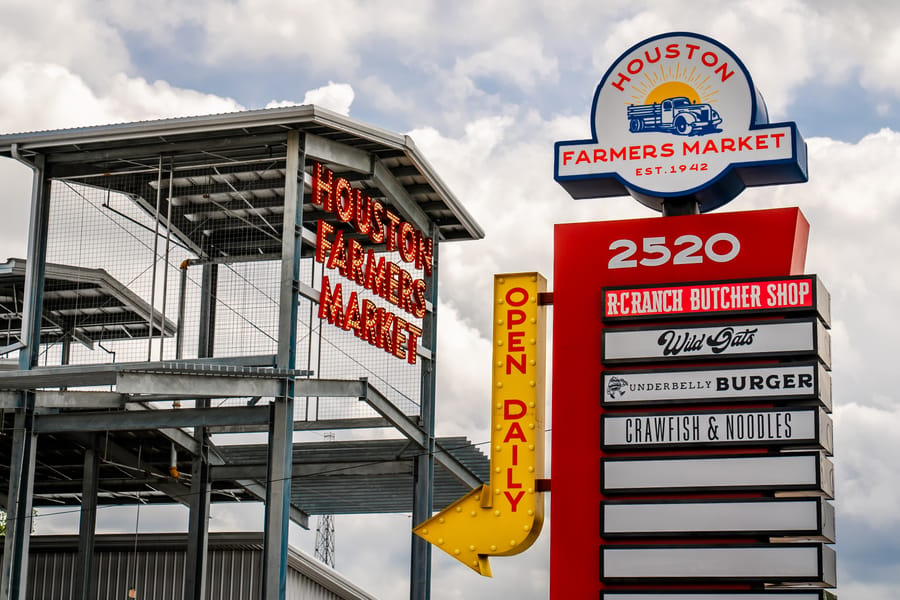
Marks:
<point>87,305</point>
<point>338,477</point>
<point>245,148</point>
<point>355,477</point>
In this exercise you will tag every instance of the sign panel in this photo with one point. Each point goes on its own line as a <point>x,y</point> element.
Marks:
<point>808,518</point>
<point>770,427</point>
<point>675,116</point>
<point>587,257</point>
<point>803,294</point>
<point>505,516</point>
<point>773,563</point>
<point>795,382</point>
<point>381,327</point>
<point>808,472</point>
<point>775,595</point>
<point>747,339</point>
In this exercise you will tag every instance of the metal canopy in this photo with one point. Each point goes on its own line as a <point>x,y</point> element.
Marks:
<point>355,477</point>
<point>87,305</point>
<point>133,428</point>
<point>228,169</point>
<point>340,477</point>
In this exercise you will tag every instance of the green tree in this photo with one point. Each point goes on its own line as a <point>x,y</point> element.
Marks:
<point>34,513</point>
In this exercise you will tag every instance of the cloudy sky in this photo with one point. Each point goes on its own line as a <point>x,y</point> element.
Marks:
<point>485,87</point>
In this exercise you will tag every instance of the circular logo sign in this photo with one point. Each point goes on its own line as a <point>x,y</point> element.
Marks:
<point>677,119</point>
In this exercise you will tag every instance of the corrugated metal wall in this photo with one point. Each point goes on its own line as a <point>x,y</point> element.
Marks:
<point>156,571</point>
<point>303,588</point>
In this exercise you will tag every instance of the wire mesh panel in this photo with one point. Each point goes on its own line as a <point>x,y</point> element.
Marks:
<point>156,233</point>
<point>344,355</point>
<point>171,262</point>
<point>112,275</point>
<point>246,308</point>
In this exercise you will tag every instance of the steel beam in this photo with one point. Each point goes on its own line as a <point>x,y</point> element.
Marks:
<point>414,433</point>
<point>13,581</point>
<point>325,150</point>
<point>209,281</point>
<point>423,478</point>
<point>208,146</point>
<point>14,575</point>
<point>290,250</point>
<point>317,425</point>
<point>281,432</point>
<point>198,520</point>
<point>256,489</point>
<point>401,199</point>
<point>176,435</point>
<point>244,471</point>
<point>35,266</point>
<point>278,497</point>
<point>186,385</point>
<point>150,419</point>
<point>66,399</point>
<point>107,374</point>
<point>85,581</point>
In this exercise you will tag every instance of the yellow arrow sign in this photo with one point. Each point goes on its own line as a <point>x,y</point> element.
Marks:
<point>505,516</point>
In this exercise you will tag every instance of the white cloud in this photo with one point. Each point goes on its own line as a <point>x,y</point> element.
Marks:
<point>68,35</point>
<point>520,61</point>
<point>385,97</point>
<point>328,35</point>
<point>16,179</point>
<point>334,96</point>
<point>162,21</point>
<point>463,403</point>
<point>134,99</point>
<point>866,447</point>
<point>67,101</point>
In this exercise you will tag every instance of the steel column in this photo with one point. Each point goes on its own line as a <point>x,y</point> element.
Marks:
<point>35,266</point>
<point>182,290</point>
<point>85,580</point>
<point>291,243</point>
<point>18,516</point>
<point>14,577</point>
<point>281,425</point>
<point>423,474</point>
<point>278,498</point>
<point>198,525</point>
<point>209,281</point>
<point>198,516</point>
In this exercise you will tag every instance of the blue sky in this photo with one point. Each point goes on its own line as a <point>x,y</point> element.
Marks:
<point>485,88</point>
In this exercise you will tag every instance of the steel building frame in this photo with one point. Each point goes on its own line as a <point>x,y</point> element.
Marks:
<point>49,406</point>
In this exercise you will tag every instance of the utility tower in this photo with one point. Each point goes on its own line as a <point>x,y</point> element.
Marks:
<point>325,530</point>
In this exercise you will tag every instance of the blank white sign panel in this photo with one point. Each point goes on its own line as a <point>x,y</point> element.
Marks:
<point>766,472</point>
<point>773,563</point>
<point>813,595</point>
<point>812,516</point>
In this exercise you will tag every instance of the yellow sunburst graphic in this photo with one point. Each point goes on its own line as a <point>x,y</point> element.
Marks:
<point>672,82</point>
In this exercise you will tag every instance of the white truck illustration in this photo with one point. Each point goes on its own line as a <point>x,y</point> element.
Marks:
<point>674,115</point>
